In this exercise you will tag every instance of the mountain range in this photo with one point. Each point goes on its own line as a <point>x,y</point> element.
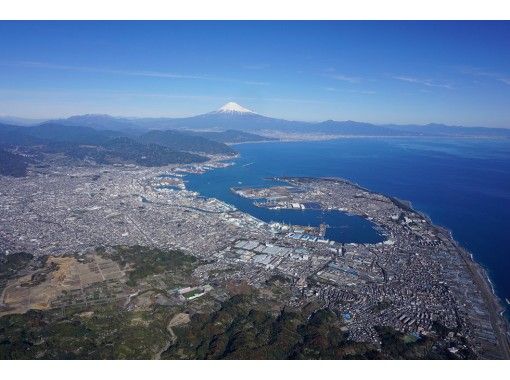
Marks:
<point>233,116</point>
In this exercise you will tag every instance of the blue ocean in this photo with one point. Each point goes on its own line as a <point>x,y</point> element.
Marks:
<point>461,184</point>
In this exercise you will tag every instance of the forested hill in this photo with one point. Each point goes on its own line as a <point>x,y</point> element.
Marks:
<point>154,148</point>
<point>184,141</point>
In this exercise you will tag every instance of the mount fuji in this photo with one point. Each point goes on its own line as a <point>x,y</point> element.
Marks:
<point>229,116</point>
<point>232,108</point>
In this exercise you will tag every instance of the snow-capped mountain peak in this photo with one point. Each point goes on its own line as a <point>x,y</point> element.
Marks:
<point>233,108</point>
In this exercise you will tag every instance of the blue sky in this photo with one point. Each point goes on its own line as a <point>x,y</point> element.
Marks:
<point>381,72</point>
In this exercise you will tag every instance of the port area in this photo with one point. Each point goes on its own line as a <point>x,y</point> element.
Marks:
<point>415,254</point>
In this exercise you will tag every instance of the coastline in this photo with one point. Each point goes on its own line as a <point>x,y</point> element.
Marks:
<point>314,137</point>
<point>465,254</point>
<point>500,323</point>
<point>408,205</point>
